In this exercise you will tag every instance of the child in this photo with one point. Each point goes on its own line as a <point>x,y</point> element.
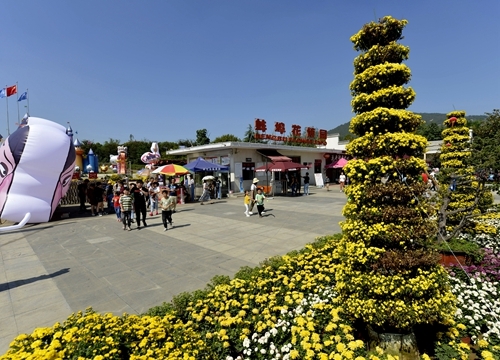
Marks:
<point>154,189</point>
<point>247,202</point>
<point>167,203</point>
<point>116,205</point>
<point>126,202</point>
<point>259,200</point>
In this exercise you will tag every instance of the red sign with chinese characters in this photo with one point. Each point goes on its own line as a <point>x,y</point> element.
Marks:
<point>260,125</point>
<point>279,127</point>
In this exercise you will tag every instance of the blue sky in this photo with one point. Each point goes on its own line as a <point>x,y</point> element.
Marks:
<point>160,70</point>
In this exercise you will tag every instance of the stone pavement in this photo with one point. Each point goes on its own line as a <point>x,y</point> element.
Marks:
<point>48,271</point>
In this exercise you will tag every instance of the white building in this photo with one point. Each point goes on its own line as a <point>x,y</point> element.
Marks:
<point>243,158</point>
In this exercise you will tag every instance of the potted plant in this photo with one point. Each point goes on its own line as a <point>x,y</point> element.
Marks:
<point>458,251</point>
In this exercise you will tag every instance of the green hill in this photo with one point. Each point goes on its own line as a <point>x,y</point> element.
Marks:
<point>438,118</point>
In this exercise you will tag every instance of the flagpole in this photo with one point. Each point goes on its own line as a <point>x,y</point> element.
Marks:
<point>7,102</point>
<point>28,99</point>
<point>17,93</point>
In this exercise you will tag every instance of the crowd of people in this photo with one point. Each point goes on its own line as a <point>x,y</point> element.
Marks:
<point>132,202</point>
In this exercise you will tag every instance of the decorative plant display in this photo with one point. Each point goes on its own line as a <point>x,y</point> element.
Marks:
<point>463,194</point>
<point>388,277</point>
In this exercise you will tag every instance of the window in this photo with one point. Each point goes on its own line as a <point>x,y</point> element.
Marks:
<point>317,166</point>
<point>248,170</point>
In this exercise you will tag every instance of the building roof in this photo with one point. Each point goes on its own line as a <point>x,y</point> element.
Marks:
<point>248,145</point>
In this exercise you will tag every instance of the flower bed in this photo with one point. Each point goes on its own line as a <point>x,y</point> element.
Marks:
<point>285,309</point>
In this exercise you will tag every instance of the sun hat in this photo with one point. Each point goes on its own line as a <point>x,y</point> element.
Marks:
<point>255,180</point>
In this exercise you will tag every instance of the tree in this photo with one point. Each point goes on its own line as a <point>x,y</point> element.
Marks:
<point>226,138</point>
<point>202,137</point>
<point>249,134</point>
<point>486,143</point>
<point>110,147</point>
<point>388,277</point>
<point>186,142</point>
<point>135,149</point>
<point>430,131</point>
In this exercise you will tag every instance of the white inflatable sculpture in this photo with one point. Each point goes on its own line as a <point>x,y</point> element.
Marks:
<point>37,162</point>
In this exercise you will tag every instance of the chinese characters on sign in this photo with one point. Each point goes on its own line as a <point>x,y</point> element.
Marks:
<point>279,127</point>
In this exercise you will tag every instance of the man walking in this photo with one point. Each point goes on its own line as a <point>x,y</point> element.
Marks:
<point>139,194</point>
<point>306,184</point>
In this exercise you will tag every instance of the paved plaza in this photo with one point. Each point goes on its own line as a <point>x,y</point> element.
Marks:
<point>48,271</point>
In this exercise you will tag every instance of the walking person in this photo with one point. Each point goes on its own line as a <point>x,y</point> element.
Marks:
<point>306,184</point>
<point>154,191</point>
<point>92,199</point>
<point>116,206</point>
<point>253,192</point>
<point>327,183</point>
<point>206,192</point>
<point>294,185</point>
<point>109,197</point>
<point>82,194</point>
<point>166,204</point>
<point>342,181</point>
<point>218,188</point>
<point>259,200</point>
<point>191,187</point>
<point>99,197</point>
<point>173,193</point>
<point>247,202</point>
<point>126,202</point>
<point>140,193</point>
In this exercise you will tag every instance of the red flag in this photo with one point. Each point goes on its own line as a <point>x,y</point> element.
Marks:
<point>11,90</point>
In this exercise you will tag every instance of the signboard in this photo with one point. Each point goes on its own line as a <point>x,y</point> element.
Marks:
<point>319,180</point>
<point>310,136</point>
<point>225,160</point>
<point>238,170</point>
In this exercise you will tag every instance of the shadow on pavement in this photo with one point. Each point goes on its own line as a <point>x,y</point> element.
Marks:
<point>17,283</point>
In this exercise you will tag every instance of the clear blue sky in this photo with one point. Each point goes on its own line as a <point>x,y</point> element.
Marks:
<point>160,70</point>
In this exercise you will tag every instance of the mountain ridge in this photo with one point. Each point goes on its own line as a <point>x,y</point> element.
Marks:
<point>343,129</point>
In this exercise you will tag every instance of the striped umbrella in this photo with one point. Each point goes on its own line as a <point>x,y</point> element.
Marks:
<point>172,170</point>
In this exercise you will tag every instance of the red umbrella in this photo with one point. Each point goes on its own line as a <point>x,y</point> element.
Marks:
<point>282,166</point>
<point>338,164</point>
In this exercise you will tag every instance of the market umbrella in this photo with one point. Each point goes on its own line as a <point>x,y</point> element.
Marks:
<point>338,164</point>
<point>172,170</point>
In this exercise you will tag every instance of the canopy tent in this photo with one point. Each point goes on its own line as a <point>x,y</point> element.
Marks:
<point>201,164</point>
<point>340,163</point>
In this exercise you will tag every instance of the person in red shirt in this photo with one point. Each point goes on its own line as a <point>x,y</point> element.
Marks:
<point>116,205</point>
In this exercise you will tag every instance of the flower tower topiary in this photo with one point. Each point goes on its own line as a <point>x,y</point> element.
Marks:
<point>388,276</point>
<point>457,174</point>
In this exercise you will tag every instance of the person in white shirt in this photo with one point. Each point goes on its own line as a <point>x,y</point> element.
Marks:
<point>342,181</point>
<point>154,190</point>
